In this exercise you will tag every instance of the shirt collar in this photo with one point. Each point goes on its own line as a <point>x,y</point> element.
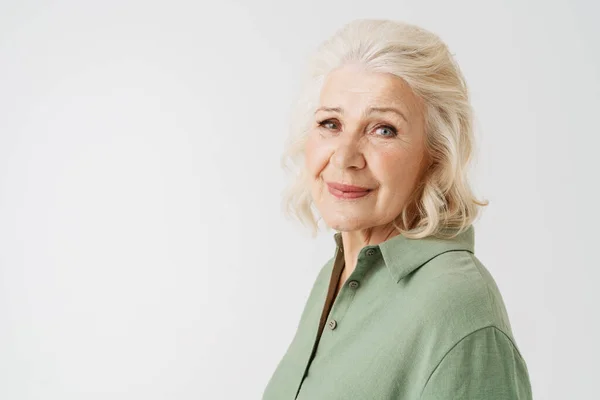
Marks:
<point>403,255</point>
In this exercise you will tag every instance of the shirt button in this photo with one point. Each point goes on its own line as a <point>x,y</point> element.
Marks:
<point>370,252</point>
<point>353,284</point>
<point>332,324</point>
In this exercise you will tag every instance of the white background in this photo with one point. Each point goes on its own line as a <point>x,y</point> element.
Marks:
<point>143,253</point>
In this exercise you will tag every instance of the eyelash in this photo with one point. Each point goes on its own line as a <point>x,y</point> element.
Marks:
<point>390,127</point>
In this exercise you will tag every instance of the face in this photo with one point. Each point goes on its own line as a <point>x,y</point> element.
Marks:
<point>368,132</point>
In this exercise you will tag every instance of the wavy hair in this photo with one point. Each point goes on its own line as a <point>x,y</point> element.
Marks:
<point>443,203</point>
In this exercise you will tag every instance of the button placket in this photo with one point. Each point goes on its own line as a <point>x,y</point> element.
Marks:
<point>341,305</point>
<point>347,292</point>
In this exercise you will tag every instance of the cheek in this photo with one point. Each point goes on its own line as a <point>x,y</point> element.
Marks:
<point>315,155</point>
<point>398,171</point>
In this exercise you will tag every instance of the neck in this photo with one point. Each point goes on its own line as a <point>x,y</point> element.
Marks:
<point>354,241</point>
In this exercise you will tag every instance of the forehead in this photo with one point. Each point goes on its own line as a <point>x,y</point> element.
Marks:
<point>351,87</point>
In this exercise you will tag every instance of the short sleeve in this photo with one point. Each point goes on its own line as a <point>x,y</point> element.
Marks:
<point>484,365</point>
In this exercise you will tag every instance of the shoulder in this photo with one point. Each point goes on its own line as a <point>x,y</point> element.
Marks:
<point>459,296</point>
<point>464,325</point>
<point>485,364</point>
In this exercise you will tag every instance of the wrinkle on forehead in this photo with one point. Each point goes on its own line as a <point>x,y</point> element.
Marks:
<point>357,89</point>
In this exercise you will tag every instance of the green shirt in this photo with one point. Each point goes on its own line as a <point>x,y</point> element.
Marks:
<point>416,319</point>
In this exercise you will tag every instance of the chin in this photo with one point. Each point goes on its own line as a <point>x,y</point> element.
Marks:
<point>346,224</point>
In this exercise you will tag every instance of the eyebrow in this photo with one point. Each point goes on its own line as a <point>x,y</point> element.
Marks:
<point>368,111</point>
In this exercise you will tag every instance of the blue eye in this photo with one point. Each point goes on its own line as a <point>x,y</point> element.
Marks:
<point>393,130</point>
<point>326,122</point>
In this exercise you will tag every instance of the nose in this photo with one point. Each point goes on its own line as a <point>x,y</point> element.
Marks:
<point>348,152</point>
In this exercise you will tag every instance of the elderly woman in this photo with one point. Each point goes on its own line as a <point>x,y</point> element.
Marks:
<point>404,309</point>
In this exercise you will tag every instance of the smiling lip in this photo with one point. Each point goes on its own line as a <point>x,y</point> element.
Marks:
<point>346,188</point>
<point>347,191</point>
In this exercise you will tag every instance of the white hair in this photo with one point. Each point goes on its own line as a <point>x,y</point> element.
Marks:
<point>443,203</point>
